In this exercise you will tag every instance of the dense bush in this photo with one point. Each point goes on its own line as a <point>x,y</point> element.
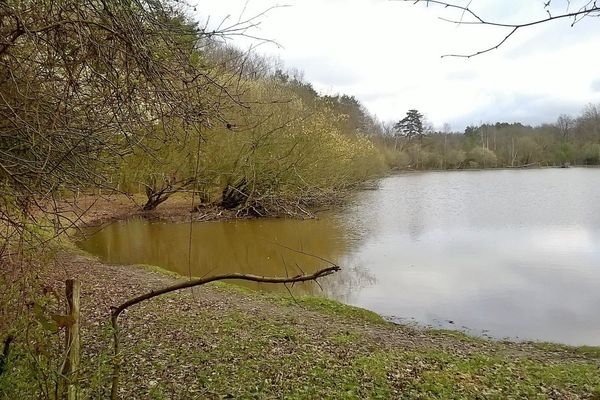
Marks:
<point>277,153</point>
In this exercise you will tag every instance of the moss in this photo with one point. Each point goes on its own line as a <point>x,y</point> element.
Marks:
<point>346,338</point>
<point>440,374</point>
<point>457,335</point>
<point>157,270</point>
<point>314,303</point>
<point>231,287</point>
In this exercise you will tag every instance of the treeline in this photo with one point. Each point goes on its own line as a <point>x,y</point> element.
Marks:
<point>141,99</point>
<point>277,147</point>
<point>568,141</point>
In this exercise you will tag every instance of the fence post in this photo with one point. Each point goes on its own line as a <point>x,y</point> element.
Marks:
<point>72,343</point>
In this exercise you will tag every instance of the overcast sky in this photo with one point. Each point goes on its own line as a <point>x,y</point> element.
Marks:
<point>388,55</point>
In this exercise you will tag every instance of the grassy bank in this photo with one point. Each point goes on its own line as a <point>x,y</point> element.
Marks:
<point>222,341</point>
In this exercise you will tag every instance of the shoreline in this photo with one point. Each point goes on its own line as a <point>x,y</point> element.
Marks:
<point>118,207</point>
<point>177,212</point>
<point>223,322</point>
<point>395,172</point>
<point>221,340</point>
<point>112,208</point>
<point>100,210</point>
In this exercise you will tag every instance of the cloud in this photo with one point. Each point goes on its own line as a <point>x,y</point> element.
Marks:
<point>325,71</point>
<point>377,95</point>
<point>462,75</point>
<point>387,54</point>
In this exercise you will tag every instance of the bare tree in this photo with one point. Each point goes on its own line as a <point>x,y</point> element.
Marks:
<point>565,124</point>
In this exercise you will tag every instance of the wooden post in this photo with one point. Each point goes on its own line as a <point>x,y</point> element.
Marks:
<point>72,344</point>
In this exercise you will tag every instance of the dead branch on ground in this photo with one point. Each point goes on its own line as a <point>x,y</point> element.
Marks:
<point>116,311</point>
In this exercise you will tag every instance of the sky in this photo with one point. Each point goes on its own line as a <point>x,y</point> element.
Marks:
<point>388,55</point>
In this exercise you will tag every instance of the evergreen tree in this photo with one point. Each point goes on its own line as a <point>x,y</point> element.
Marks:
<point>411,126</point>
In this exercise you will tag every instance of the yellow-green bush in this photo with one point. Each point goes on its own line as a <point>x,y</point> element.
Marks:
<point>277,149</point>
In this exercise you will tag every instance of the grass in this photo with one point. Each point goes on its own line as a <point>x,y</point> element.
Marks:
<point>274,357</point>
<point>157,270</point>
<point>314,303</point>
<point>250,356</point>
<point>284,355</point>
<point>330,307</point>
<point>452,375</point>
<point>226,341</point>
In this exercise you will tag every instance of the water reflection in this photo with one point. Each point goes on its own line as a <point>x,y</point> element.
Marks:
<point>506,253</point>
<point>254,247</point>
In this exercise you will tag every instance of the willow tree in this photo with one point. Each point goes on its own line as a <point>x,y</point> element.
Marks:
<point>287,152</point>
<point>82,83</point>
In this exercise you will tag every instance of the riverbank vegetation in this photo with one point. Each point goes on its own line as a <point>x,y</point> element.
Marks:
<point>137,98</point>
<point>415,144</point>
<point>284,149</point>
<point>224,341</point>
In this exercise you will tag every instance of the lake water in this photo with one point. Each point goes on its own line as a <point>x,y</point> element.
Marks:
<point>505,253</point>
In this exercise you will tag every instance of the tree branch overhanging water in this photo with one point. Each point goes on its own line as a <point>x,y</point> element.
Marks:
<point>116,311</point>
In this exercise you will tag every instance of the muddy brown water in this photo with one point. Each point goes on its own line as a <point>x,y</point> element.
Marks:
<point>508,254</point>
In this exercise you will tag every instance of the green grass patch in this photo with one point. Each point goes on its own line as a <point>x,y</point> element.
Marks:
<point>157,270</point>
<point>439,374</point>
<point>346,338</point>
<point>314,303</point>
<point>586,351</point>
<point>458,335</point>
<point>330,307</point>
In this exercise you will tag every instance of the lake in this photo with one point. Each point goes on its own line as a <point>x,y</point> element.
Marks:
<point>501,253</point>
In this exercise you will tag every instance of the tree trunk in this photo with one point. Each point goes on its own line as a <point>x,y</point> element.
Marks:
<point>234,195</point>
<point>155,199</point>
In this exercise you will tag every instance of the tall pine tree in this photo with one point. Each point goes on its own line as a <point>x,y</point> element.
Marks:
<point>411,126</point>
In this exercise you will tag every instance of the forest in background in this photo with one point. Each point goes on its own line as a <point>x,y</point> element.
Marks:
<point>568,141</point>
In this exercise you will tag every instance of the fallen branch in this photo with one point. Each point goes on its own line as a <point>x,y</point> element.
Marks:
<point>116,311</point>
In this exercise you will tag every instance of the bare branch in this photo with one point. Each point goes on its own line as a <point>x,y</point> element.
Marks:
<point>116,311</point>
<point>483,51</point>
<point>591,8</point>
